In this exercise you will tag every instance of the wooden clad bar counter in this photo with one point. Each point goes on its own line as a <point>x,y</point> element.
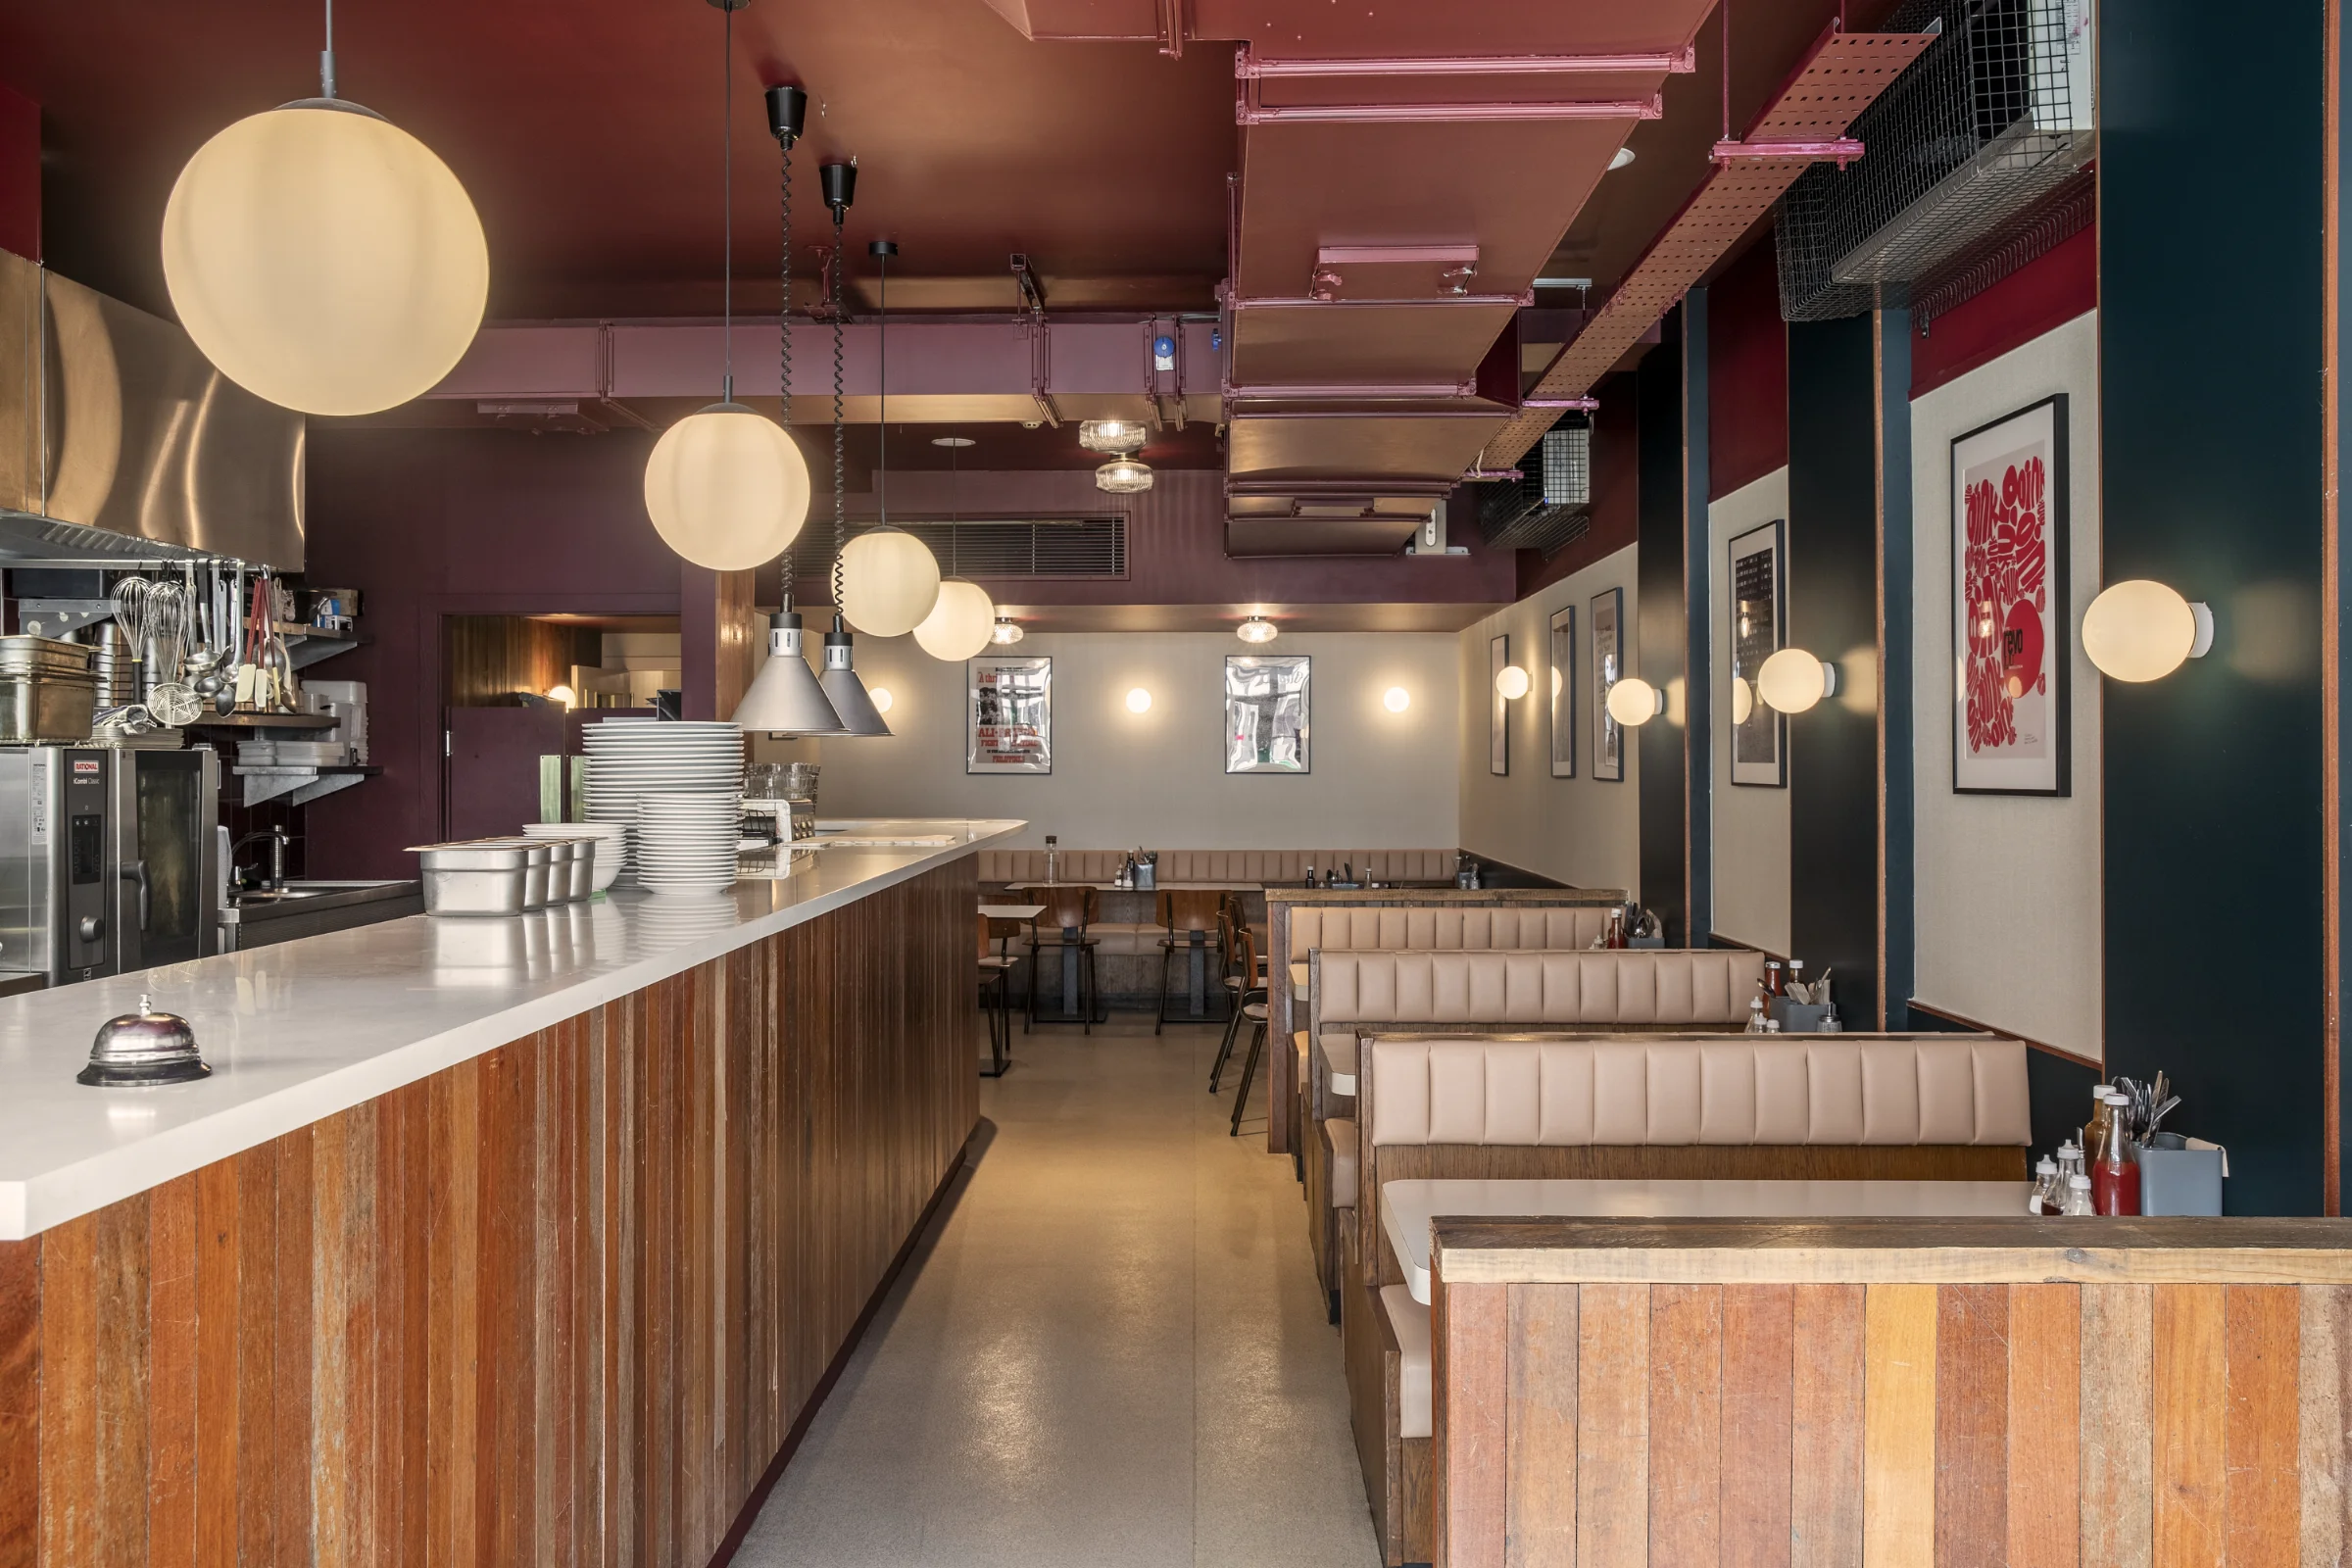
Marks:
<point>564,1291</point>
<point>1903,1392</point>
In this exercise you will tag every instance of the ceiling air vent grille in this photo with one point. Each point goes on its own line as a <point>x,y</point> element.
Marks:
<point>1994,120</point>
<point>1036,547</point>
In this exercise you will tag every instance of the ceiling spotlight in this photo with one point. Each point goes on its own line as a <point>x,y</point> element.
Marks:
<point>1117,436</point>
<point>957,441</point>
<point>1622,157</point>
<point>1123,476</point>
<point>1257,629</point>
<point>1008,632</point>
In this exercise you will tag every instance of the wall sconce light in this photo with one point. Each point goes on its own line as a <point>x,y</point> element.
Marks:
<point>1512,682</point>
<point>1139,701</point>
<point>881,698</point>
<point>1793,680</point>
<point>564,694</point>
<point>1397,699</point>
<point>1634,702</point>
<point>1743,700</point>
<point>2140,630</point>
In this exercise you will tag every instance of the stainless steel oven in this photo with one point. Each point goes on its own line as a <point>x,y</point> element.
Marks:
<point>108,859</point>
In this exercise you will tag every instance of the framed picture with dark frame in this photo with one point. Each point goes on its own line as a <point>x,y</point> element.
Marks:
<point>1498,712</point>
<point>1008,715</point>
<point>1608,665</point>
<point>1758,610</point>
<point>2011,623</point>
<point>1266,716</point>
<point>1563,692</point>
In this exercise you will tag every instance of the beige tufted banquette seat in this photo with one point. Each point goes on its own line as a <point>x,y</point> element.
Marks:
<point>1846,1106</point>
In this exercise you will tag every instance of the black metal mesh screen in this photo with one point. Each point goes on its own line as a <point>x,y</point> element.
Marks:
<point>1547,507</point>
<point>1989,123</point>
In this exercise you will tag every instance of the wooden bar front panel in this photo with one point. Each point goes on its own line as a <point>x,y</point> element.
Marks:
<point>1851,1426</point>
<point>561,1303</point>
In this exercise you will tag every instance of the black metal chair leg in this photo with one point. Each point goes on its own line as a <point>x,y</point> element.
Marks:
<point>1159,1008</point>
<point>1233,1032</point>
<point>1240,1095</point>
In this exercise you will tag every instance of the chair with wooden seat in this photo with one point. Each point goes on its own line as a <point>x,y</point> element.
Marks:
<point>995,991</point>
<point>1063,931</point>
<point>1252,1012</point>
<point>1189,916</point>
<point>1238,982</point>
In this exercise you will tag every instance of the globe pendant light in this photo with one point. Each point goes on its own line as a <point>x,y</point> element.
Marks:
<point>726,488</point>
<point>889,578</point>
<point>322,257</point>
<point>960,624</point>
<point>843,689</point>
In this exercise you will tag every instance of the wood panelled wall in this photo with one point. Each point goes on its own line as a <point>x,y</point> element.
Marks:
<point>561,1303</point>
<point>1848,1424</point>
<point>486,660</point>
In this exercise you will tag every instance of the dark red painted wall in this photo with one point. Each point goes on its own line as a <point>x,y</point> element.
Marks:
<point>1616,491</point>
<point>2046,292</point>
<point>20,174</point>
<point>1747,372</point>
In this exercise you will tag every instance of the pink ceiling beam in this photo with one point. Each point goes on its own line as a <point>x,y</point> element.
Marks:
<point>1249,113</point>
<point>1251,67</point>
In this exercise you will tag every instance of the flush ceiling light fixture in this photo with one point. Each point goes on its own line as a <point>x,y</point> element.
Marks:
<point>1792,680</point>
<point>1008,632</point>
<point>2140,630</point>
<point>1634,702</point>
<point>889,578</point>
<point>1397,699</point>
<point>322,257</point>
<point>1124,477</point>
<point>1512,682</point>
<point>855,707</point>
<point>727,490</point>
<point>1257,629</point>
<point>1117,437</point>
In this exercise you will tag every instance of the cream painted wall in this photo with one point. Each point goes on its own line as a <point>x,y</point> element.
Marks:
<point>1379,780</point>
<point>1581,830</point>
<point>1751,821</point>
<point>2009,913</point>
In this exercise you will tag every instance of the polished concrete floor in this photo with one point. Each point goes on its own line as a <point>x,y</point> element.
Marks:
<point>1109,1349</point>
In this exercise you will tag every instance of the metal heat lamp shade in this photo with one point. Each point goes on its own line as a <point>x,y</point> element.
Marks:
<point>843,688</point>
<point>786,698</point>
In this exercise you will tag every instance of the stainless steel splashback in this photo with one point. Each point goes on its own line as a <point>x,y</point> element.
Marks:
<point>118,438</point>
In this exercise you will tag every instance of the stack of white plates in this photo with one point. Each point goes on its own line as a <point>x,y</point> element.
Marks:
<point>632,756</point>
<point>686,843</point>
<point>611,843</point>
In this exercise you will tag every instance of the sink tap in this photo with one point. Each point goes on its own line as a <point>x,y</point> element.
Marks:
<point>276,881</point>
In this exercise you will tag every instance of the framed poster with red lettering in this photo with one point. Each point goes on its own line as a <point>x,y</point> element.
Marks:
<point>2012,637</point>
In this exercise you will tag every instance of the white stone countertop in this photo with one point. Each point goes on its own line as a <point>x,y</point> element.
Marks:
<point>297,1032</point>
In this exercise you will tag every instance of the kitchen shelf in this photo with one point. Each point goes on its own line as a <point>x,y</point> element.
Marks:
<point>265,721</point>
<point>295,784</point>
<point>307,645</point>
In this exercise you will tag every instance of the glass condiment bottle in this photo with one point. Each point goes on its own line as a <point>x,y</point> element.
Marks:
<point>1796,973</point>
<point>1755,1012</point>
<point>2078,1197</point>
<point>1053,859</point>
<point>2048,1192</point>
<point>2114,1176</point>
<point>1775,980</point>
<point>1616,934</point>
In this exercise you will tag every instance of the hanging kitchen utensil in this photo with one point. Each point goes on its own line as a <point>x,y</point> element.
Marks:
<point>171,699</point>
<point>130,599</point>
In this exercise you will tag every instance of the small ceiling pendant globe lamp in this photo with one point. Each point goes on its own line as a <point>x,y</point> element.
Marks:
<point>1117,437</point>
<point>1007,631</point>
<point>1123,476</point>
<point>1257,629</point>
<point>889,578</point>
<point>1512,682</point>
<point>1634,702</point>
<point>960,624</point>
<point>1792,680</point>
<point>2138,631</point>
<point>322,257</point>
<point>727,489</point>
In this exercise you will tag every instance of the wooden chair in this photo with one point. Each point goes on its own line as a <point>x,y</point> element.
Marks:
<point>1254,1008</point>
<point>1069,911</point>
<point>995,976</point>
<point>1190,918</point>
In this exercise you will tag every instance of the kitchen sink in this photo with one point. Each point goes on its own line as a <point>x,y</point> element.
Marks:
<point>260,916</point>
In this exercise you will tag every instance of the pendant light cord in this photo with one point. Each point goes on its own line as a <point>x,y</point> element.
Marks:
<point>327,56</point>
<point>727,199</point>
<point>840,526</point>
<point>882,425</point>
<point>784,338</point>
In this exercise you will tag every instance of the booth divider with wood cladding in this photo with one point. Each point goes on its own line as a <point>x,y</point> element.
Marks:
<point>563,1302</point>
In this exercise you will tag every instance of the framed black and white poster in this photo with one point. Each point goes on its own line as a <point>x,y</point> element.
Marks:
<point>1563,692</point>
<point>1498,712</point>
<point>1609,663</point>
<point>1009,717</point>
<point>1266,727</point>
<point>1758,609</point>
<point>2010,621</point>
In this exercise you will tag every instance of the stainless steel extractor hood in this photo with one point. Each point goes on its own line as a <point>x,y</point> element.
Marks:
<point>118,439</point>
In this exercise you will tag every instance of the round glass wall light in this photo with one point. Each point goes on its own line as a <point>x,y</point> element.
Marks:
<point>1397,699</point>
<point>1743,701</point>
<point>1512,682</point>
<point>1139,701</point>
<point>1793,680</point>
<point>879,695</point>
<point>1634,702</point>
<point>2138,631</point>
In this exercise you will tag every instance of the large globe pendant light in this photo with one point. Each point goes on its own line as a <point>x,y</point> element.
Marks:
<point>889,578</point>
<point>727,489</point>
<point>322,257</point>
